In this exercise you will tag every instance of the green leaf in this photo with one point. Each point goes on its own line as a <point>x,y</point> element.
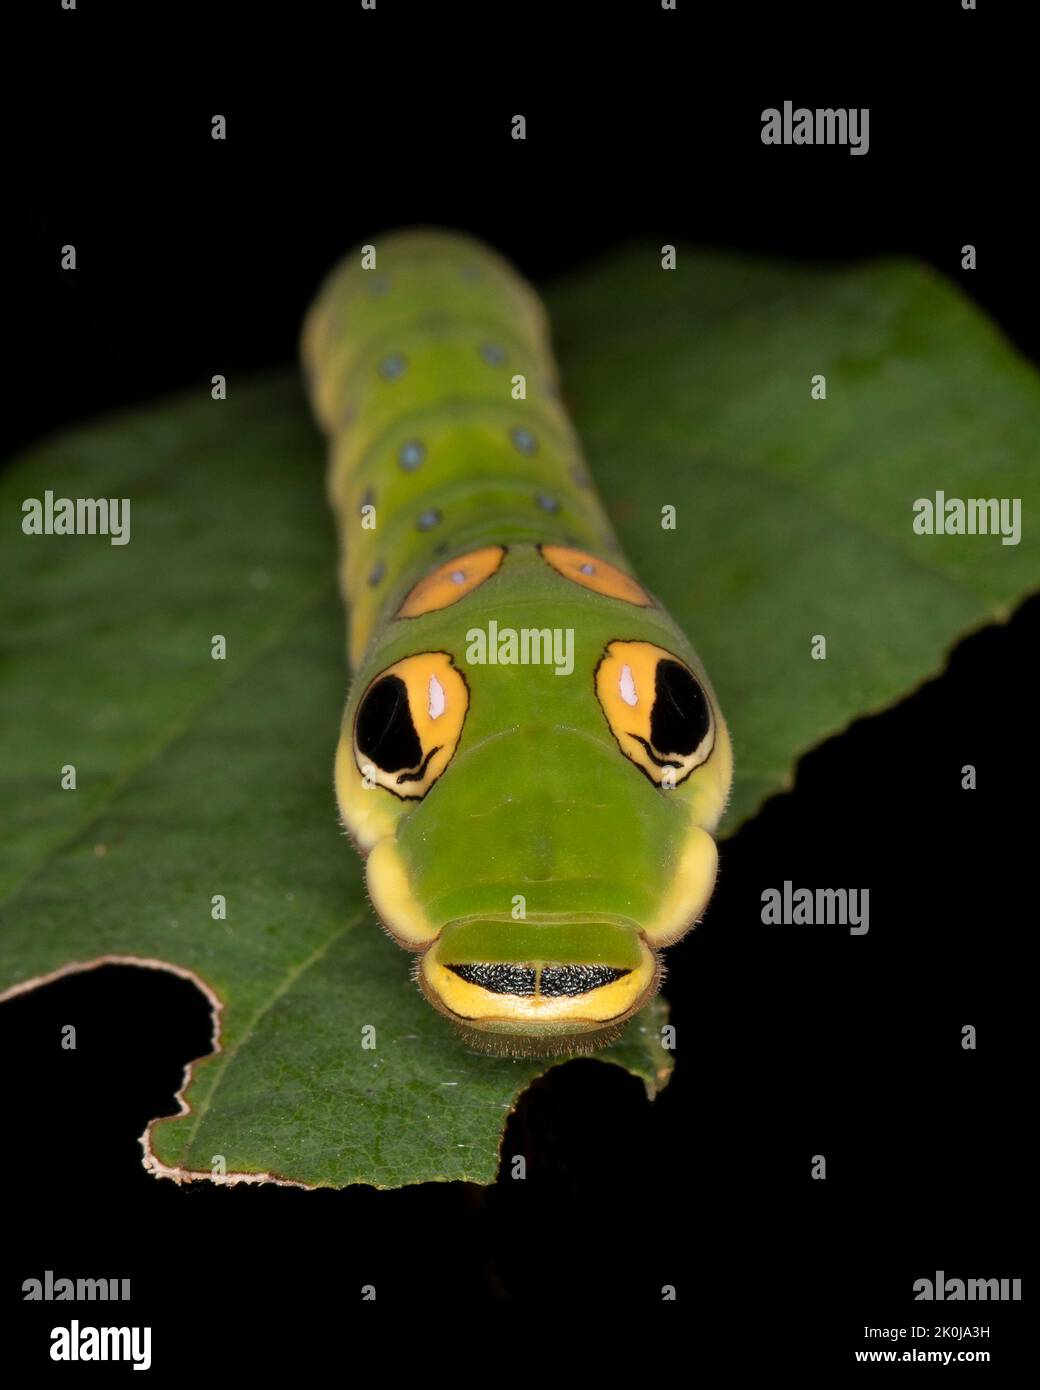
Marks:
<point>794,515</point>
<point>198,777</point>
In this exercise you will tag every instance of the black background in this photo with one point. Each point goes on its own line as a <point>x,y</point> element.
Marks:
<point>198,257</point>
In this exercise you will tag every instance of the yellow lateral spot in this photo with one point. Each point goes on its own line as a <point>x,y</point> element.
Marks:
<point>449,582</point>
<point>593,573</point>
<point>366,813</point>
<point>688,892</point>
<point>393,899</point>
<point>710,788</point>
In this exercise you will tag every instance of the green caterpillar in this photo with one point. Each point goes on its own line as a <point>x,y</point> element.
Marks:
<point>531,755</point>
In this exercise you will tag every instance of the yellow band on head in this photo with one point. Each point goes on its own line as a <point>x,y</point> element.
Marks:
<point>689,890</point>
<point>479,1007</point>
<point>392,897</point>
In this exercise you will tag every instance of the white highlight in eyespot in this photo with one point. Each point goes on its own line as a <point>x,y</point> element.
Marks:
<point>627,686</point>
<point>436,701</point>
<point>457,577</point>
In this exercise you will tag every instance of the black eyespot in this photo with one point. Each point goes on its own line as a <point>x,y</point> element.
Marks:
<point>657,709</point>
<point>408,724</point>
<point>384,730</point>
<point>680,718</point>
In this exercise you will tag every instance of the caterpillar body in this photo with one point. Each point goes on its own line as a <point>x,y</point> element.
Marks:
<point>531,755</point>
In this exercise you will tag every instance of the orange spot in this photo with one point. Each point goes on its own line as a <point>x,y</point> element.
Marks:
<point>593,573</point>
<point>449,582</point>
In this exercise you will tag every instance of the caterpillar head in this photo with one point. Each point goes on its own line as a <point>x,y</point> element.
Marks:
<point>535,837</point>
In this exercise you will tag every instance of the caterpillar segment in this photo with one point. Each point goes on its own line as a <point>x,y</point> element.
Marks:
<point>531,755</point>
